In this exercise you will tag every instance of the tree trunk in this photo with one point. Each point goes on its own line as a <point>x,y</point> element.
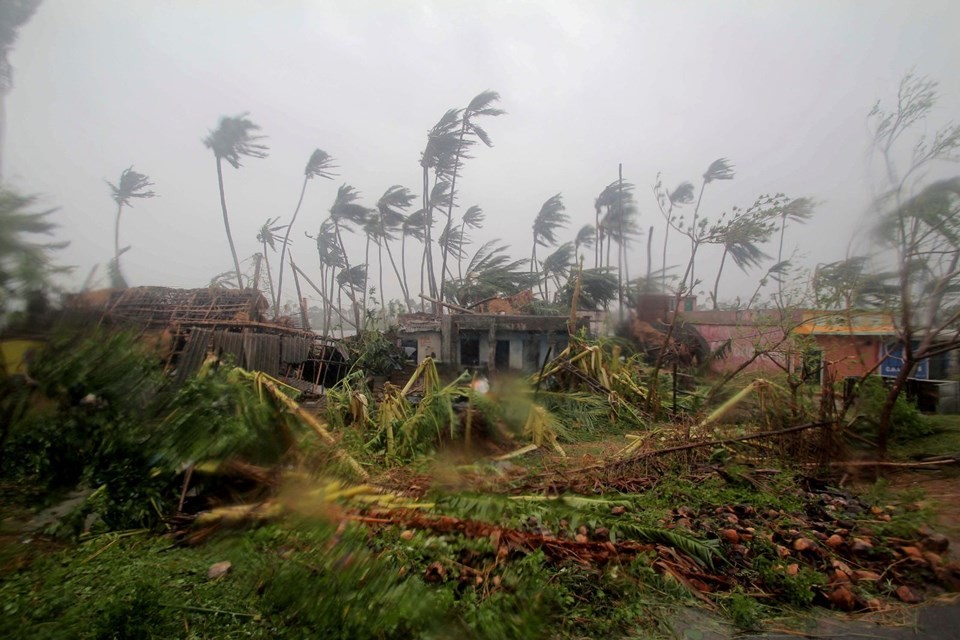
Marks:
<point>886,412</point>
<point>693,235</point>
<point>273,294</point>
<point>716,283</point>
<point>226,222</point>
<point>620,241</point>
<point>286,238</point>
<point>301,302</point>
<point>598,242</point>
<point>366,274</point>
<point>116,237</point>
<point>646,285</point>
<point>783,226</point>
<point>403,267</point>
<point>346,260</point>
<point>428,242</point>
<point>453,193</point>
<point>396,271</point>
<point>666,236</point>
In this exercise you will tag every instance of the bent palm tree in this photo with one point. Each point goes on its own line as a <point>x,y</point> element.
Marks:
<point>319,164</point>
<point>412,227</point>
<point>131,185</point>
<point>585,238</point>
<point>557,265</point>
<point>799,210</point>
<point>740,238</point>
<point>438,155</point>
<point>481,105</point>
<point>231,140</point>
<point>667,201</point>
<point>549,220</point>
<point>345,210</point>
<point>473,218</point>
<point>390,214</point>
<point>719,169</point>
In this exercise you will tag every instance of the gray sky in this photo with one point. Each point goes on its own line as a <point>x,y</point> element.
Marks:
<point>780,88</point>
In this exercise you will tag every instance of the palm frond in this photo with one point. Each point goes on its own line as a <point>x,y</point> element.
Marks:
<point>719,169</point>
<point>320,164</point>
<point>131,185</point>
<point>345,209</point>
<point>473,217</point>
<point>549,220</point>
<point>233,138</point>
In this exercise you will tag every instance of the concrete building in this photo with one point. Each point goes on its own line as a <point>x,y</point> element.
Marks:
<point>494,342</point>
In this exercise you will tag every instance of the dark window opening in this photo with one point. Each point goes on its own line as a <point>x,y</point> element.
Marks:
<point>502,358</point>
<point>409,350</point>
<point>470,352</point>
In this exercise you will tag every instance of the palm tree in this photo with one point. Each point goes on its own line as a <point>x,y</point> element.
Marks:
<point>740,238</point>
<point>231,140</point>
<point>719,169</point>
<point>850,284</point>
<point>131,185</point>
<point>481,105</point>
<point>585,238</point>
<point>799,210</point>
<point>13,15</point>
<point>472,218</point>
<point>345,210</point>
<point>266,236</point>
<point>549,220</point>
<point>491,272</point>
<point>598,288</point>
<point>451,242</point>
<point>413,227</point>
<point>320,164</point>
<point>331,258</point>
<point>557,265</point>
<point>25,265</point>
<point>667,201</point>
<point>392,219</point>
<point>439,155</point>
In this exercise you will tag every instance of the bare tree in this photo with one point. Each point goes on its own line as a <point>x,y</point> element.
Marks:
<point>919,226</point>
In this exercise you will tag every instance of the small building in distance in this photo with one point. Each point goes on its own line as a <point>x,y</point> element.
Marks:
<point>496,342</point>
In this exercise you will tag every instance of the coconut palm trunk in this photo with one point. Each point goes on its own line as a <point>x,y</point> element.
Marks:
<point>266,260</point>
<point>226,222</point>
<point>286,237</point>
<point>351,294</point>
<point>116,236</point>
<point>716,283</point>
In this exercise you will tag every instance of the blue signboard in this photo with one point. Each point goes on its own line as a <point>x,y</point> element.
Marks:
<point>893,363</point>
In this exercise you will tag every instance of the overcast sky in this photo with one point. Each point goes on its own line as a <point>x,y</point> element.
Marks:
<point>780,88</point>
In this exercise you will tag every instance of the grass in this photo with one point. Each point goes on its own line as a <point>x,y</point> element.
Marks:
<point>944,439</point>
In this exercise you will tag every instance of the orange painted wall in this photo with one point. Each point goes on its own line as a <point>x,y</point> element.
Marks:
<point>845,355</point>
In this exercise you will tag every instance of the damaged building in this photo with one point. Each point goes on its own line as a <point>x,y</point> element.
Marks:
<point>187,325</point>
<point>495,342</point>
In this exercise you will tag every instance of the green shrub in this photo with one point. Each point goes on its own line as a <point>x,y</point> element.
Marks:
<point>906,421</point>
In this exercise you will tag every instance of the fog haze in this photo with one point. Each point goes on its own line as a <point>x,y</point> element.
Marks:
<point>780,88</point>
